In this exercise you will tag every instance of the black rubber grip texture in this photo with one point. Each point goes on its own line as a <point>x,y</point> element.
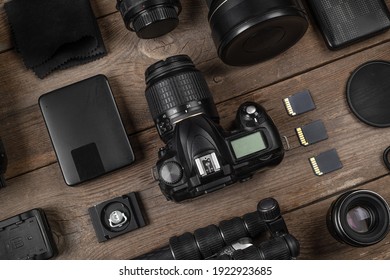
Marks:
<point>154,15</point>
<point>175,91</point>
<point>254,224</point>
<point>184,247</point>
<point>275,249</point>
<point>250,253</point>
<point>209,240</point>
<point>232,230</point>
<point>160,254</point>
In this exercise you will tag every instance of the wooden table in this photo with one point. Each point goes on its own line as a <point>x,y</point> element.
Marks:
<point>35,180</point>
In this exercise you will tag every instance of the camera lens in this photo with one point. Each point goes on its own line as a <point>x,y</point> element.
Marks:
<point>176,90</point>
<point>359,218</point>
<point>249,31</point>
<point>150,18</point>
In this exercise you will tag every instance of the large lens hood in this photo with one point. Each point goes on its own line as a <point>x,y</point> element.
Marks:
<point>251,31</point>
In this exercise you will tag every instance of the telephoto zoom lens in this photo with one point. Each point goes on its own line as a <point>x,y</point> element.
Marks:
<point>246,32</point>
<point>176,90</point>
<point>359,218</point>
<point>150,18</point>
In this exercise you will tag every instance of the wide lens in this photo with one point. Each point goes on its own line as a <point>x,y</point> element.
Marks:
<point>150,18</point>
<point>246,32</point>
<point>359,218</point>
<point>176,90</point>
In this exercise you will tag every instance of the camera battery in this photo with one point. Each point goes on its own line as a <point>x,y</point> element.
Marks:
<point>312,133</point>
<point>299,103</point>
<point>326,162</point>
<point>26,236</point>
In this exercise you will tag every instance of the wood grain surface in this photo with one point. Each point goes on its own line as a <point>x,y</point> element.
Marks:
<point>34,178</point>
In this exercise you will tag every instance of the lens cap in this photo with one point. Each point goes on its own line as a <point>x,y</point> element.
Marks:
<point>156,22</point>
<point>368,93</point>
<point>150,18</point>
<point>248,32</point>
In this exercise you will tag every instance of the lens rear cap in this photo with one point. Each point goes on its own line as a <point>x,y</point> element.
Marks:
<point>368,93</point>
<point>156,22</point>
<point>261,38</point>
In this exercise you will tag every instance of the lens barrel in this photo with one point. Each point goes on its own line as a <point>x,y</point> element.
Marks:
<point>176,90</point>
<point>150,18</point>
<point>246,32</point>
<point>359,218</point>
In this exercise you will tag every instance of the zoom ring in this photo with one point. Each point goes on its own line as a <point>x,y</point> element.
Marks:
<point>176,91</point>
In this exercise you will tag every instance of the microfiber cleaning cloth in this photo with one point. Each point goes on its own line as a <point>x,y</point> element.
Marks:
<point>54,34</point>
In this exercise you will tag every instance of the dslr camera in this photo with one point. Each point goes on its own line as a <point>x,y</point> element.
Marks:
<point>199,156</point>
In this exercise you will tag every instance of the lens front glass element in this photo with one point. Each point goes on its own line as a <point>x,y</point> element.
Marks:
<point>359,219</point>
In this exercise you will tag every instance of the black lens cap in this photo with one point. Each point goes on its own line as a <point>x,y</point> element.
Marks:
<point>156,22</point>
<point>368,93</point>
<point>150,18</point>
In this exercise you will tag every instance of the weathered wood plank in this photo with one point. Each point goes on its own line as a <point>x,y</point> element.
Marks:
<point>35,180</point>
<point>67,209</point>
<point>292,183</point>
<point>26,138</point>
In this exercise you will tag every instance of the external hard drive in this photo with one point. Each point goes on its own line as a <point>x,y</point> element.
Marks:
<point>86,130</point>
<point>344,22</point>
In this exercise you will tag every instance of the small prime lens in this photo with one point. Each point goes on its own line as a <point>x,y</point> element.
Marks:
<point>150,18</point>
<point>176,90</point>
<point>359,218</point>
<point>246,32</point>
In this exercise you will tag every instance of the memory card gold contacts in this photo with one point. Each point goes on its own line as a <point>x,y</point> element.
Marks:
<point>326,162</point>
<point>299,103</point>
<point>312,133</point>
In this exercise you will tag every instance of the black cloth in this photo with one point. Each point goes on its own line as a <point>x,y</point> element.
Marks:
<point>54,34</point>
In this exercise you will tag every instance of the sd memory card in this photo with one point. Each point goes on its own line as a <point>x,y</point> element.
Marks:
<point>312,133</point>
<point>299,103</point>
<point>326,162</point>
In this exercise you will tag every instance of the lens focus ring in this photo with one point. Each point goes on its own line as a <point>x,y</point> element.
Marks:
<point>176,91</point>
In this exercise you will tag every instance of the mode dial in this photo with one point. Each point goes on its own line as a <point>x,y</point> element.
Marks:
<point>171,172</point>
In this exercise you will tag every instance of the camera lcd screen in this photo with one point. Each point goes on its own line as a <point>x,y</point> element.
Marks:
<point>248,144</point>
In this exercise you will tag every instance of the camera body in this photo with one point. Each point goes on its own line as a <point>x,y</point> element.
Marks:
<point>201,157</point>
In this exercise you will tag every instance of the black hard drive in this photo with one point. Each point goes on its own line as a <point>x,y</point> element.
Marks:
<point>344,22</point>
<point>86,130</point>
